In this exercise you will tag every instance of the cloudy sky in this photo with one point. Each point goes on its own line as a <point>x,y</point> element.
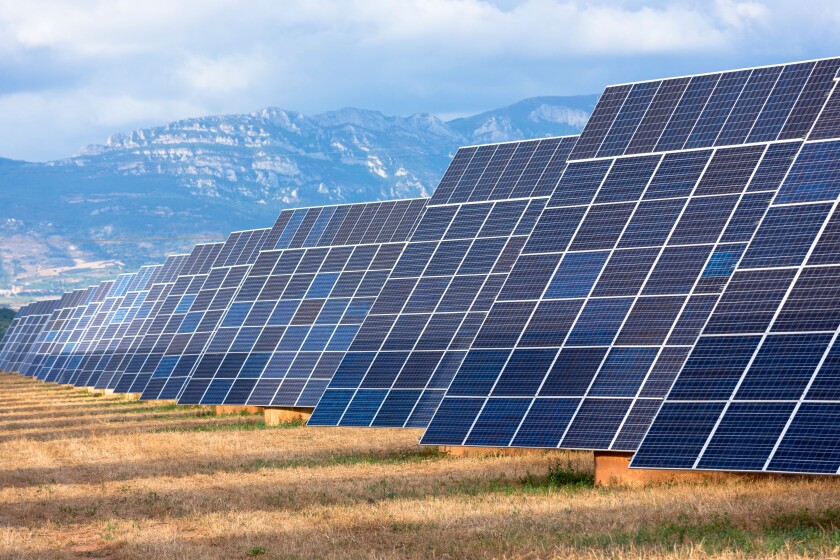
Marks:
<point>72,73</point>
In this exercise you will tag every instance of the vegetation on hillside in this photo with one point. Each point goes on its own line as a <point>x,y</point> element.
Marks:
<point>6,316</point>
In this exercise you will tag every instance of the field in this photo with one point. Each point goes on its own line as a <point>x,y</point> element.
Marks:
<point>84,476</point>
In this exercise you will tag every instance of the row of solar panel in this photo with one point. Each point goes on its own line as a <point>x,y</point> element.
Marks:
<point>722,109</point>
<point>530,302</point>
<point>122,334</point>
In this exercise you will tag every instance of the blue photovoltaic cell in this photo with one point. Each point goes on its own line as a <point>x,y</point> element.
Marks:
<point>685,116</point>
<point>782,367</point>
<point>497,422</point>
<point>780,103</point>
<point>677,435</point>
<point>810,444</point>
<point>815,176</point>
<point>749,104</point>
<point>595,423</point>
<point>545,423</point>
<point>785,236</point>
<point>828,124</point>
<point>677,174</point>
<point>746,436</point>
<point>579,183</point>
<point>455,418</point>
<point>625,124</point>
<point>627,179</point>
<point>453,174</point>
<point>811,99</point>
<point>600,121</point>
<point>657,116</point>
<point>717,109</point>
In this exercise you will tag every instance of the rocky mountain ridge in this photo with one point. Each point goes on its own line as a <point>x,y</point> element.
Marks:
<point>152,191</point>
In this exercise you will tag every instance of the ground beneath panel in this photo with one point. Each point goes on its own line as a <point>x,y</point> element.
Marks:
<point>86,476</point>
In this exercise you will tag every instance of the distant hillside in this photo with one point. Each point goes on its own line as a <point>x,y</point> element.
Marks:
<point>531,118</point>
<point>6,316</point>
<point>158,190</point>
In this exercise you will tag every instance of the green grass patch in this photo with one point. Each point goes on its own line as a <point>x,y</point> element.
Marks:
<point>568,475</point>
<point>374,458</point>
<point>238,426</point>
<point>803,533</point>
<point>390,458</point>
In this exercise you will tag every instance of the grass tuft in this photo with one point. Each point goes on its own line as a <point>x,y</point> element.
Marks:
<point>569,475</point>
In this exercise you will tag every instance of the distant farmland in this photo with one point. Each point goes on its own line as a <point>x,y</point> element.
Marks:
<point>84,476</point>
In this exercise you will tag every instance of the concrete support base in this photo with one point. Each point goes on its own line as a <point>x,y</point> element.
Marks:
<point>612,469</point>
<point>132,396</point>
<point>283,415</point>
<point>221,409</point>
<point>109,391</point>
<point>95,391</point>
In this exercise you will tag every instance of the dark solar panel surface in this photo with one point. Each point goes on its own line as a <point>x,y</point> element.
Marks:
<point>704,111</point>
<point>441,288</point>
<point>606,299</point>
<point>300,304</point>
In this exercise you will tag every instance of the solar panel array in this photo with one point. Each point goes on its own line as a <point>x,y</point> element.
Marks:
<point>407,350</point>
<point>666,283</point>
<point>298,307</point>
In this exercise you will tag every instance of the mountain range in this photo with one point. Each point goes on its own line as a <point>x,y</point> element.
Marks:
<point>115,206</point>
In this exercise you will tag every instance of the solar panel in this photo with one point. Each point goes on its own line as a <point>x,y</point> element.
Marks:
<point>604,301</point>
<point>416,334</point>
<point>708,110</point>
<point>133,373</point>
<point>756,391</point>
<point>194,307</point>
<point>63,347</point>
<point>57,333</point>
<point>61,356</point>
<point>104,326</point>
<point>299,305</point>
<point>80,374</point>
<point>170,298</point>
<point>601,310</point>
<point>23,333</point>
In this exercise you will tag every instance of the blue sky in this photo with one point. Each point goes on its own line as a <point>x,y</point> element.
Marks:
<point>72,73</point>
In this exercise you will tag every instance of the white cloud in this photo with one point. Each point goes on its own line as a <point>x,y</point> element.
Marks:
<point>39,126</point>
<point>223,75</point>
<point>543,27</point>
<point>740,15</point>
<point>124,63</point>
<point>120,27</point>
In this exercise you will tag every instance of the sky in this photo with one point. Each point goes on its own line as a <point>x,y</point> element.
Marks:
<point>73,73</point>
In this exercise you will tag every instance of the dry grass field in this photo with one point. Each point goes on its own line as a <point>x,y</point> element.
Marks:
<point>85,476</point>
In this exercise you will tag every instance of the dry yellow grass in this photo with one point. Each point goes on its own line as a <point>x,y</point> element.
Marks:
<point>86,476</point>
